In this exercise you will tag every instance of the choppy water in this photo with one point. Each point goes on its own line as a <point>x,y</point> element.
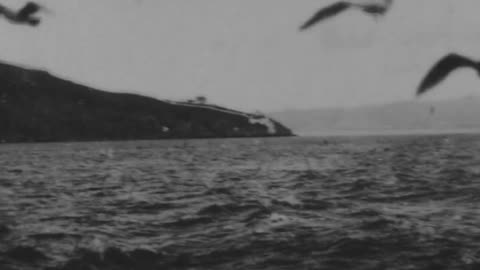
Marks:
<point>407,202</point>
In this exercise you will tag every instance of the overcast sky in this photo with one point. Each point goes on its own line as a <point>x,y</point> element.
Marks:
<point>248,54</point>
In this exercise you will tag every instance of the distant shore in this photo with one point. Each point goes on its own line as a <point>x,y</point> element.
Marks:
<point>393,132</point>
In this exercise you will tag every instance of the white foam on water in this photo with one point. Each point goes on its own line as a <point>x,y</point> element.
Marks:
<point>273,221</point>
<point>291,199</point>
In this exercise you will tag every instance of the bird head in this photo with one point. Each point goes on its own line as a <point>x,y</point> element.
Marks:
<point>32,7</point>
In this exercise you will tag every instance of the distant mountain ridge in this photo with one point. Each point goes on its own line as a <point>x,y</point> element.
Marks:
<point>404,116</point>
<point>36,106</point>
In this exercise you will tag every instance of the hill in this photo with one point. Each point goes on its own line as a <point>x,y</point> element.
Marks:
<point>398,117</point>
<point>36,106</point>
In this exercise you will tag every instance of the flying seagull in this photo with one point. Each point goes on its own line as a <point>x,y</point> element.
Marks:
<point>24,15</point>
<point>443,68</point>
<point>374,8</point>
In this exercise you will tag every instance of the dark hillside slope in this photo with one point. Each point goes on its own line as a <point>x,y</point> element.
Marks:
<point>36,106</point>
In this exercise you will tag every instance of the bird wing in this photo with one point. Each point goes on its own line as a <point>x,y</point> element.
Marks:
<point>325,13</point>
<point>442,69</point>
<point>29,9</point>
<point>7,12</point>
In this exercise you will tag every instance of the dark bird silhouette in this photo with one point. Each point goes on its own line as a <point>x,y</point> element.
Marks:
<point>375,9</point>
<point>24,15</point>
<point>443,68</point>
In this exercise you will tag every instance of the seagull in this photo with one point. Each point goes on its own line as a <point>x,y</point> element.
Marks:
<point>375,9</point>
<point>443,68</point>
<point>24,15</point>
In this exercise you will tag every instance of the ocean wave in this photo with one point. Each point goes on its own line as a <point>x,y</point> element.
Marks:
<point>25,254</point>
<point>400,203</point>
